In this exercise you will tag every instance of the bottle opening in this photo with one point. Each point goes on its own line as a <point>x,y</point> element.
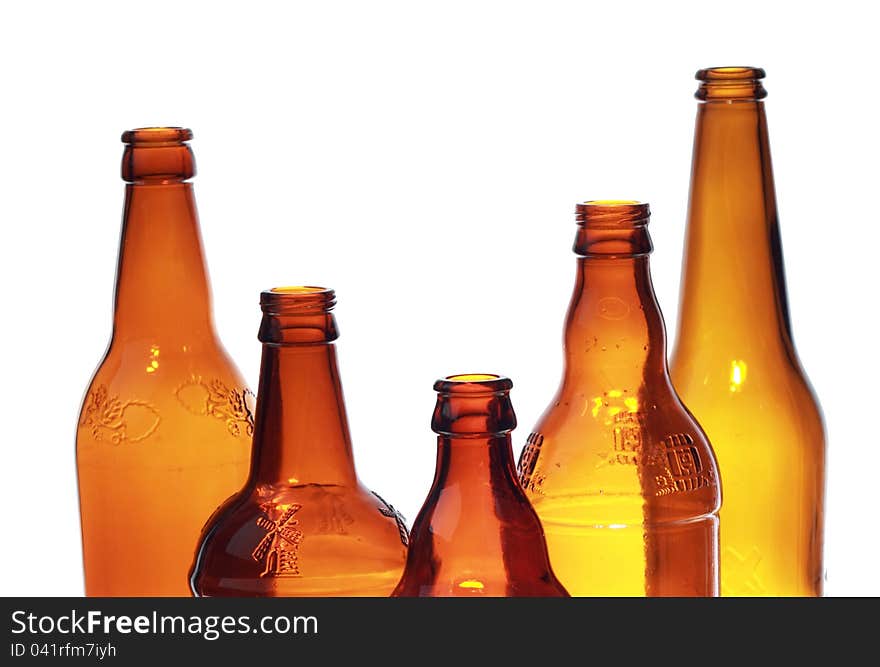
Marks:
<point>473,383</point>
<point>157,135</point>
<point>297,299</point>
<point>613,213</point>
<point>478,377</point>
<point>730,84</point>
<point>299,289</point>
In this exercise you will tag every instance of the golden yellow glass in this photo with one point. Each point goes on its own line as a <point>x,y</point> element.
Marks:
<point>622,477</point>
<point>734,364</point>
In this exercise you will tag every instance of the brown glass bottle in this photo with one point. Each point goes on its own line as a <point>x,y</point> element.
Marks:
<point>303,525</point>
<point>621,475</point>
<point>734,363</point>
<point>476,534</point>
<point>165,429</point>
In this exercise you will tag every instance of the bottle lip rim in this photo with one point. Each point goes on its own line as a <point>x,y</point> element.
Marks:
<point>297,299</point>
<point>730,73</point>
<point>473,383</point>
<point>157,135</point>
<point>613,213</point>
<point>295,291</point>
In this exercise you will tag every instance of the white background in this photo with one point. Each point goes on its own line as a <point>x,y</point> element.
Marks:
<point>424,160</point>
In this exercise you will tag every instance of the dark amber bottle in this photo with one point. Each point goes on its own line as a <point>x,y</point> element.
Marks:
<point>165,429</point>
<point>476,534</point>
<point>735,364</point>
<point>622,476</point>
<point>303,525</point>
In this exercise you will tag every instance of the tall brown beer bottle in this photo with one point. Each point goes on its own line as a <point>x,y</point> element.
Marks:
<point>165,429</point>
<point>734,364</point>
<point>622,476</point>
<point>303,524</point>
<point>476,535</point>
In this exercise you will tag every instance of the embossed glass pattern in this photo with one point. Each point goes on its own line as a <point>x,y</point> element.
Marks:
<point>476,534</point>
<point>735,364</point>
<point>303,524</point>
<point>165,429</point>
<point>622,476</point>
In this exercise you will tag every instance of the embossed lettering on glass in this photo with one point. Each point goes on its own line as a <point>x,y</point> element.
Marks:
<point>165,428</point>
<point>303,524</point>
<point>622,476</point>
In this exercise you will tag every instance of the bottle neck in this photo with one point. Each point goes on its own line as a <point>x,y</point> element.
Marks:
<point>475,473</point>
<point>301,434</point>
<point>162,287</point>
<point>614,327</point>
<point>477,467</point>
<point>733,251</point>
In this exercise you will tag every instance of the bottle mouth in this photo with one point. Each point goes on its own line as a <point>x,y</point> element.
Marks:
<point>473,383</point>
<point>297,300</point>
<point>613,214</point>
<point>730,84</point>
<point>157,135</point>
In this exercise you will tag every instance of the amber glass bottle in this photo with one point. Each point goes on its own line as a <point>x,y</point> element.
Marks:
<point>303,525</point>
<point>165,430</point>
<point>735,364</point>
<point>621,475</point>
<point>476,534</point>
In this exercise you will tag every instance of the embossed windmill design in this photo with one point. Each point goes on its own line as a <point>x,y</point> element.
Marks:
<point>389,511</point>
<point>279,548</point>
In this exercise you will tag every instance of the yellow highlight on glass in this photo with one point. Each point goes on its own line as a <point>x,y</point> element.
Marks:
<point>739,370</point>
<point>471,583</point>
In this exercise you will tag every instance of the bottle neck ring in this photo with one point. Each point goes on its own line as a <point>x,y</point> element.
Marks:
<point>298,315</point>
<point>474,405</point>
<point>156,155</point>
<point>612,229</point>
<point>730,84</point>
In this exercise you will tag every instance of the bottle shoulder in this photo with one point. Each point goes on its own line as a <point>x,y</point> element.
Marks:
<point>744,389</point>
<point>157,394</point>
<point>349,512</point>
<point>150,364</point>
<point>308,539</point>
<point>601,456</point>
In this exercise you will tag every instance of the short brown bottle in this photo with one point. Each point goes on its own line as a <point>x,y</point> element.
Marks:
<point>165,429</point>
<point>302,525</point>
<point>735,362</point>
<point>622,476</point>
<point>476,534</point>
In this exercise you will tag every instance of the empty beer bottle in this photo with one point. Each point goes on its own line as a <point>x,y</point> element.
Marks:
<point>303,525</point>
<point>165,429</point>
<point>735,364</point>
<point>476,534</point>
<point>621,475</point>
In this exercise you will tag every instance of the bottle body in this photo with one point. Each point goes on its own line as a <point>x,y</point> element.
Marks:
<point>154,460</point>
<point>476,534</point>
<point>735,364</point>
<point>164,432</point>
<point>302,540</point>
<point>622,476</point>
<point>303,524</point>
